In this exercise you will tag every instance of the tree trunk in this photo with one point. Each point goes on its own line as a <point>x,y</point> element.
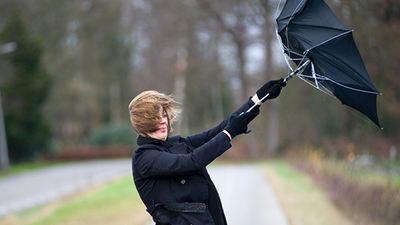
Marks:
<point>272,107</point>
<point>180,82</point>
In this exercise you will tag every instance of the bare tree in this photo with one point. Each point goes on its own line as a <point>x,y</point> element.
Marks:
<point>236,28</point>
<point>272,123</point>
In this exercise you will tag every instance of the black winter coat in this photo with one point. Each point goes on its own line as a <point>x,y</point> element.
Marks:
<point>173,171</point>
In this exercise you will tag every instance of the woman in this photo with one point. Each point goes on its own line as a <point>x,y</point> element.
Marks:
<point>169,172</point>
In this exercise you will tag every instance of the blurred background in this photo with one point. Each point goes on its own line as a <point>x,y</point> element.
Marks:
<point>69,69</point>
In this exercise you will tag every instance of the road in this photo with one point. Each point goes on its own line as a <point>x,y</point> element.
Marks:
<point>246,196</point>
<point>30,189</point>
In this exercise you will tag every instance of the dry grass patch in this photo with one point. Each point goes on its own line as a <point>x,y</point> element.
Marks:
<point>303,201</point>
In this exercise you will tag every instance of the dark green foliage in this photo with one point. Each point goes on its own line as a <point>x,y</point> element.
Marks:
<point>24,93</point>
<point>113,134</point>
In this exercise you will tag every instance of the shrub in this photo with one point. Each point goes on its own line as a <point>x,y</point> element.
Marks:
<point>113,134</point>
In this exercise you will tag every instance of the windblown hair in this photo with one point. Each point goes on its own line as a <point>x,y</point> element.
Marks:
<point>144,111</point>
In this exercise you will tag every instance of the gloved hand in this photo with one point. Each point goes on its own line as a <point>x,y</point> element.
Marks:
<point>273,87</point>
<point>237,124</point>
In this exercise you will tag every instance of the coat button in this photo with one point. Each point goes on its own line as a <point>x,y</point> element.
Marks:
<point>183,181</point>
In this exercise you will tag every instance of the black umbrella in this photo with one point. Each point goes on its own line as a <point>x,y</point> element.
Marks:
<point>325,54</point>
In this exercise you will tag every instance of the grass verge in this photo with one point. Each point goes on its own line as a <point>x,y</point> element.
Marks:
<point>369,196</point>
<point>24,167</point>
<point>116,202</point>
<point>303,201</point>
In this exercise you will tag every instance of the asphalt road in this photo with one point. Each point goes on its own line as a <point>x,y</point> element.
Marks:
<point>246,195</point>
<point>41,186</point>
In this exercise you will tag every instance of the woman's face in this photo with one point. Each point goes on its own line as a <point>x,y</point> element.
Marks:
<point>162,132</point>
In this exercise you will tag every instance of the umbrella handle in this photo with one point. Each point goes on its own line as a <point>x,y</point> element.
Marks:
<point>258,102</point>
<point>288,77</point>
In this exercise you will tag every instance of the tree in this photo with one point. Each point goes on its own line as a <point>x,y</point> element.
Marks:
<point>88,51</point>
<point>24,93</point>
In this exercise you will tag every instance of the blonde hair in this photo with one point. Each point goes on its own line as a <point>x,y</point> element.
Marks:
<point>144,111</point>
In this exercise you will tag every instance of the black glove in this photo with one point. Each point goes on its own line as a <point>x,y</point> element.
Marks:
<point>273,87</point>
<point>237,124</point>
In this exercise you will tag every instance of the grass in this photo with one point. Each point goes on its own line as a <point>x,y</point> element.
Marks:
<point>24,167</point>
<point>303,201</point>
<point>114,203</point>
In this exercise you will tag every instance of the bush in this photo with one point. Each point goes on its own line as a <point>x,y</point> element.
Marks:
<point>113,134</point>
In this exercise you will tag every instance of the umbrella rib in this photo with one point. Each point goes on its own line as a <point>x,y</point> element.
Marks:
<point>286,57</point>
<point>277,9</point>
<point>351,88</point>
<point>283,48</point>
<point>348,108</point>
<point>325,90</point>
<point>320,77</point>
<point>328,40</point>
<point>314,74</point>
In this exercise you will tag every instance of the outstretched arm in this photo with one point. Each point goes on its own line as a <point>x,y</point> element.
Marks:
<point>273,87</point>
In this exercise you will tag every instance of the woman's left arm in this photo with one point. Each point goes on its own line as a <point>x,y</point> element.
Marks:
<point>272,88</point>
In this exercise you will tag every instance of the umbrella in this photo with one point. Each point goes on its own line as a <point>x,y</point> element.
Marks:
<point>325,54</point>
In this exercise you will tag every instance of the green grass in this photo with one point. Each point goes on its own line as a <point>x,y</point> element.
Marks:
<point>106,204</point>
<point>24,167</point>
<point>303,201</point>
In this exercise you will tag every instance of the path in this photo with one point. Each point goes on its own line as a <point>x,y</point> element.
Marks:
<point>37,187</point>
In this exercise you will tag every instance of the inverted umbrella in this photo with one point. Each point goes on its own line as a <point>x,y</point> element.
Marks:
<point>325,54</point>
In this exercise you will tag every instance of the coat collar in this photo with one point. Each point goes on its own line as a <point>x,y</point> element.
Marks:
<point>148,140</point>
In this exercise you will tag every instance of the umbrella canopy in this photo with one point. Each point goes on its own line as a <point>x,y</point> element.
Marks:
<point>310,33</point>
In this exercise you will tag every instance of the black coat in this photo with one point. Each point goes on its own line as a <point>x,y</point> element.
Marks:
<point>173,171</point>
